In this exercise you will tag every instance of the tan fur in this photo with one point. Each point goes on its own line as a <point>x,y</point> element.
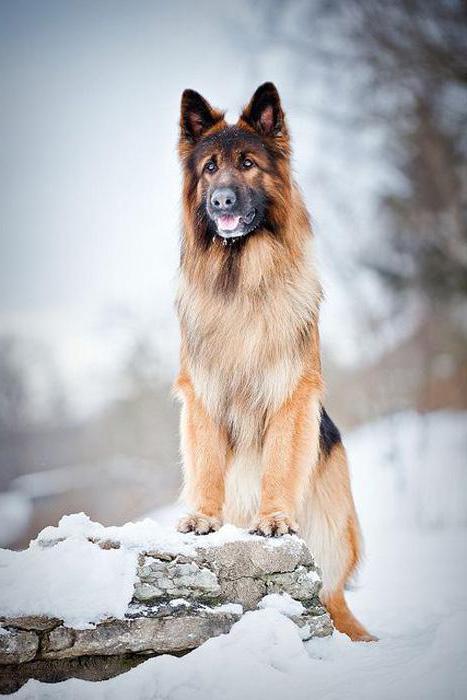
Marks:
<point>251,387</point>
<point>343,619</point>
<point>204,446</point>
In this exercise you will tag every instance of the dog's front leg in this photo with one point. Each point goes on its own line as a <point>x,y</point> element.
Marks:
<point>204,450</point>
<point>290,452</point>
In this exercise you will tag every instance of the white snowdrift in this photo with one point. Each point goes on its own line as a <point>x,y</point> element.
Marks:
<point>74,580</point>
<point>411,469</point>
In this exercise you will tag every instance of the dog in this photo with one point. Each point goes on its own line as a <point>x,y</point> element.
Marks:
<point>259,449</point>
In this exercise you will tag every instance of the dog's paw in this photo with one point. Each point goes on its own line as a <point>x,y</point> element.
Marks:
<point>274,525</point>
<point>198,523</point>
<point>365,637</point>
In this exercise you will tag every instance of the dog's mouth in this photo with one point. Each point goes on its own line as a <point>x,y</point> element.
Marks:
<point>233,225</point>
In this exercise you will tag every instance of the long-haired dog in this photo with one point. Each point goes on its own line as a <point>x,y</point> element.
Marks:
<point>259,449</point>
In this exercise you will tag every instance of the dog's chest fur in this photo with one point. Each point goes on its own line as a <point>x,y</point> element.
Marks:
<point>246,351</point>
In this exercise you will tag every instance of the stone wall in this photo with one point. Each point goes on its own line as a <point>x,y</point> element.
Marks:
<point>180,601</point>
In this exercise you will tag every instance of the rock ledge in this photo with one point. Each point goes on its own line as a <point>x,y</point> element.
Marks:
<point>180,601</point>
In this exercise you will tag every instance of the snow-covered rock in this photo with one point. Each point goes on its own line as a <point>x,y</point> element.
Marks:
<point>82,589</point>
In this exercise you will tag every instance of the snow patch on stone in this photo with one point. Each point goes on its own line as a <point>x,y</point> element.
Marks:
<point>229,608</point>
<point>283,603</point>
<point>146,535</point>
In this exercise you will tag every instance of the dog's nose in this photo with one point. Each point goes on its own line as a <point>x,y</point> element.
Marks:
<point>223,199</point>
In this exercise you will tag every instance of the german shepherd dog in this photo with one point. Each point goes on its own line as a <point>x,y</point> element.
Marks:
<point>259,449</point>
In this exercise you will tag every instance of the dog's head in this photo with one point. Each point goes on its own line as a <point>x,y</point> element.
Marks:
<point>236,177</point>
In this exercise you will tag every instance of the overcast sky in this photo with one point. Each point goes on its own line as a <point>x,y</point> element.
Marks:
<point>90,180</point>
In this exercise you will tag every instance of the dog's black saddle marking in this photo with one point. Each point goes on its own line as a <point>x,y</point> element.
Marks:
<point>329,434</point>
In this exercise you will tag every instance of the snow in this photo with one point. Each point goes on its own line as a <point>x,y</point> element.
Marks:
<point>147,535</point>
<point>283,603</point>
<point>407,475</point>
<point>179,601</point>
<point>411,469</point>
<point>230,533</point>
<point>74,580</point>
<point>230,608</point>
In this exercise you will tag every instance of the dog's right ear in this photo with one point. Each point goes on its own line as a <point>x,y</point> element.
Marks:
<point>197,116</point>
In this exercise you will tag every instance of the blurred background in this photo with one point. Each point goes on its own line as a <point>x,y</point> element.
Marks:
<point>376,97</point>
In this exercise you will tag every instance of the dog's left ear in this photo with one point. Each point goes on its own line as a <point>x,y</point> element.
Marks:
<point>264,111</point>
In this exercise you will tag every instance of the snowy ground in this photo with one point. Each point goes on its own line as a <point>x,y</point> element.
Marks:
<point>412,592</point>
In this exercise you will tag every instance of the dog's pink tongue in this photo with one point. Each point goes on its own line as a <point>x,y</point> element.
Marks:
<point>228,222</point>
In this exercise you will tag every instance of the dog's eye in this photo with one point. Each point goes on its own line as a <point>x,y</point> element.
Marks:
<point>210,166</point>
<point>247,163</point>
